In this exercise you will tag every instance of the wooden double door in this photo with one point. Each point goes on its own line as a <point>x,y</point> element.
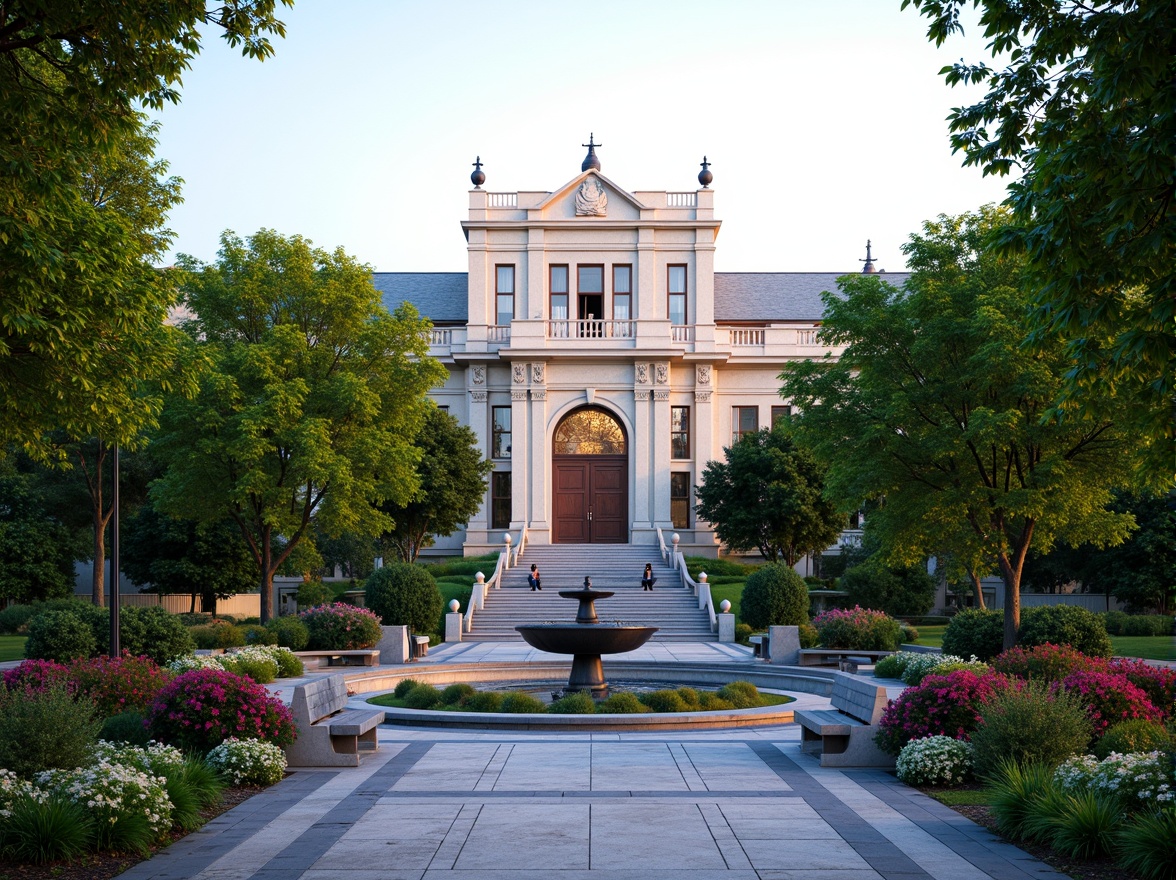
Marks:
<point>591,499</point>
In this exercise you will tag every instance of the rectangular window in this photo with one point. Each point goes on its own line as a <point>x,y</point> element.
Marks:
<point>444,407</point>
<point>676,289</point>
<point>558,286</point>
<point>500,500</point>
<point>744,420</point>
<point>590,279</point>
<point>779,412</point>
<point>680,500</point>
<point>622,292</point>
<point>501,432</point>
<point>504,289</point>
<point>679,432</point>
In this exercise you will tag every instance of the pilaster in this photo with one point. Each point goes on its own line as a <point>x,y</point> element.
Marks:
<point>538,459</point>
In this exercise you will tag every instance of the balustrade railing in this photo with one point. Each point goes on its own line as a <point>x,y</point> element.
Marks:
<point>594,328</point>
<point>502,200</point>
<point>440,336</point>
<point>806,337</point>
<point>682,200</point>
<point>498,333</point>
<point>701,588</point>
<point>681,333</point>
<point>747,335</point>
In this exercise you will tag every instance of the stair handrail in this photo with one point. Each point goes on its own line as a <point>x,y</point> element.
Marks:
<point>481,585</point>
<point>518,551</point>
<point>701,588</point>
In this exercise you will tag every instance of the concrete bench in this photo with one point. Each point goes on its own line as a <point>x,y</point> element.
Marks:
<point>319,659</point>
<point>330,734</point>
<point>842,657</point>
<point>420,647</point>
<point>844,735</point>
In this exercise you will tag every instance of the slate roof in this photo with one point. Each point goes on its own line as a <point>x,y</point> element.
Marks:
<point>739,296</point>
<point>442,297</point>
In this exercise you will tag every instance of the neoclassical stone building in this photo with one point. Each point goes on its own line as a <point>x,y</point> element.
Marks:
<point>601,359</point>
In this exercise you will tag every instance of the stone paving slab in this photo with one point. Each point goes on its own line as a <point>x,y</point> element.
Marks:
<point>719,805</point>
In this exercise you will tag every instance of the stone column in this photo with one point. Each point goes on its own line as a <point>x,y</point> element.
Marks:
<point>703,447</point>
<point>453,622</point>
<point>480,423</point>
<point>641,455</point>
<point>537,454</point>
<point>520,478</point>
<point>659,439</point>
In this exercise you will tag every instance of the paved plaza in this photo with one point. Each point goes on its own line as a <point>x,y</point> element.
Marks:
<point>706,805</point>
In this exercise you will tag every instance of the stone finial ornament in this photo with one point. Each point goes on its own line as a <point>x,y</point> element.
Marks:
<point>705,176</point>
<point>591,161</point>
<point>479,176</point>
<point>868,268</point>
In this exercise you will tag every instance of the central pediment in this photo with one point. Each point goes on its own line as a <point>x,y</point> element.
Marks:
<point>589,196</point>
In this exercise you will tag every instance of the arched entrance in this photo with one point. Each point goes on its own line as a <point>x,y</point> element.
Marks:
<point>590,479</point>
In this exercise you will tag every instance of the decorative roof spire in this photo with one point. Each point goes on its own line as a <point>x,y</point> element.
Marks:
<point>868,269</point>
<point>479,176</point>
<point>590,161</point>
<point>704,176</point>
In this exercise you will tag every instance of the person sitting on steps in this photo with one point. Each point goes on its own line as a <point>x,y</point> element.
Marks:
<point>533,579</point>
<point>647,578</point>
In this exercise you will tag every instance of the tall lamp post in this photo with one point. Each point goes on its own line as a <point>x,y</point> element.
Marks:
<point>114,562</point>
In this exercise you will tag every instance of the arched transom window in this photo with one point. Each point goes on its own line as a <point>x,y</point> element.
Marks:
<point>589,431</point>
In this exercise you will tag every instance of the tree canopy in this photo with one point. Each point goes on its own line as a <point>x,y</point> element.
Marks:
<point>936,406</point>
<point>452,485</point>
<point>766,495</point>
<point>82,206</point>
<point>311,403</point>
<point>1085,109</point>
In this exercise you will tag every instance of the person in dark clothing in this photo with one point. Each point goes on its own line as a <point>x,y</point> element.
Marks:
<point>647,578</point>
<point>533,579</point>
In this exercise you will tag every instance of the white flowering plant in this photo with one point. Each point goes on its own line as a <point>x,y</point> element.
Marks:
<point>922,665</point>
<point>111,791</point>
<point>281,662</point>
<point>154,759</point>
<point>1144,779</point>
<point>248,761</point>
<point>12,789</point>
<point>934,760</point>
<point>188,662</point>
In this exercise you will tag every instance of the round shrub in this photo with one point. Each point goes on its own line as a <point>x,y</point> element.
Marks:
<point>60,636</point>
<point>289,665</point>
<point>1065,625</point>
<point>202,708</point>
<point>289,632</point>
<point>809,637</point>
<point>36,675</point>
<point>423,696</point>
<point>894,665</point>
<point>248,761</point>
<point>858,628</point>
<point>404,686</point>
<point>261,668</point>
<point>341,627</point>
<point>1134,735</point>
<point>975,632</point>
<point>740,694</point>
<point>743,632</point>
<point>947,705</point>
<point>910,635</point>
<point>44,729</point>
<point>774,595</point>
<point>256,634</point>
<point>126,727</point>
<point>665,701</point>
<point>119,684</point>
<point>457,693</point>
<point>14,618</point>
<point>404,594</point>
<point>709,701</point>
<point>624,703</point>
<point>1108,698</point>
<point>1043,662</point>
<point>517,703</point>
<point>154,632</point>
<point>934,760</point>
<point>1159,683</point>
<point>579,703</point>
<point>1028,722</point>
<point>690,697</point>
<point>485,701</point>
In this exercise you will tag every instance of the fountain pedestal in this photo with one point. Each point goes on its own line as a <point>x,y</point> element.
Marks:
<point>586,640</point>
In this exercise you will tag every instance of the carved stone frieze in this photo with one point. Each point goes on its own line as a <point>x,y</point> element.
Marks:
<point>641,394</point>
<point>661,395</point>
<point>478,396</point>
<point>538,394</point>
<point>518,395</point>
<point>702,396</point>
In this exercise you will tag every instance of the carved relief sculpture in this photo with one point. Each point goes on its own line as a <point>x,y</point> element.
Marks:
<point>702,375</point>
<point>537,373</point>
<point>479,375</point>
<point>520,373</point>
<point>642,374</point>
<point>591,200</point>
<point>663,374</point>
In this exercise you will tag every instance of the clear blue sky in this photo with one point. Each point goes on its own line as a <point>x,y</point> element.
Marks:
<point>824,121</point>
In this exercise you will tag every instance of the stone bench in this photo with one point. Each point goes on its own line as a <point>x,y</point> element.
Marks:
<point>841,656</point>
<point>330,734</point>
<point>844,735</point>
<point>319,659</point>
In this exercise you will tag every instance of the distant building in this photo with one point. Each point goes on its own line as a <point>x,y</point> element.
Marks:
<point>601,359</point>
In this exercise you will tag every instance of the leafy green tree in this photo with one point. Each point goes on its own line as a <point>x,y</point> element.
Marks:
<point>767,495</point>
<point>899,590</point>
<point>309,406</point>
<point>1084,107</point>
<point>774,595</point>
<point>37,549</point>
<point>206,560</point>
<point>937,406</point>
<point>452,475</point>
<point>82,316</point>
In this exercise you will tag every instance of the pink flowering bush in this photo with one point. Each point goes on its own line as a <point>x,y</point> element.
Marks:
<point>858,628</point>
<point>1157,682</point>
<point>200,709</point>
<point>117,685</point>
<point>1046,662</point>
<point>1109,698</point>
<point>35,676</point>
<point>341,627</point>
<point>942,705</point>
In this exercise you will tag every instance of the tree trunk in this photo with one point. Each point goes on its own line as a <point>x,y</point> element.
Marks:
<point>267,577</point>
<point>98,581</point>
<point>1012,600</point>
<point>977,589</point>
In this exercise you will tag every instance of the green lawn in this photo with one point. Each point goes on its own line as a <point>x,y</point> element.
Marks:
<point>12,647</point>
<point>1147,647</point>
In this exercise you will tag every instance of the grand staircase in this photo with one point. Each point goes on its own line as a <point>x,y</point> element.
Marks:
<point>617,567</point>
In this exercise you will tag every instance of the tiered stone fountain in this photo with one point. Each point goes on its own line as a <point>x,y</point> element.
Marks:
<point>586,640</point>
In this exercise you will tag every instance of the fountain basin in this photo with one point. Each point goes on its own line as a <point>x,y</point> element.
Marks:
<point>585,638</point>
